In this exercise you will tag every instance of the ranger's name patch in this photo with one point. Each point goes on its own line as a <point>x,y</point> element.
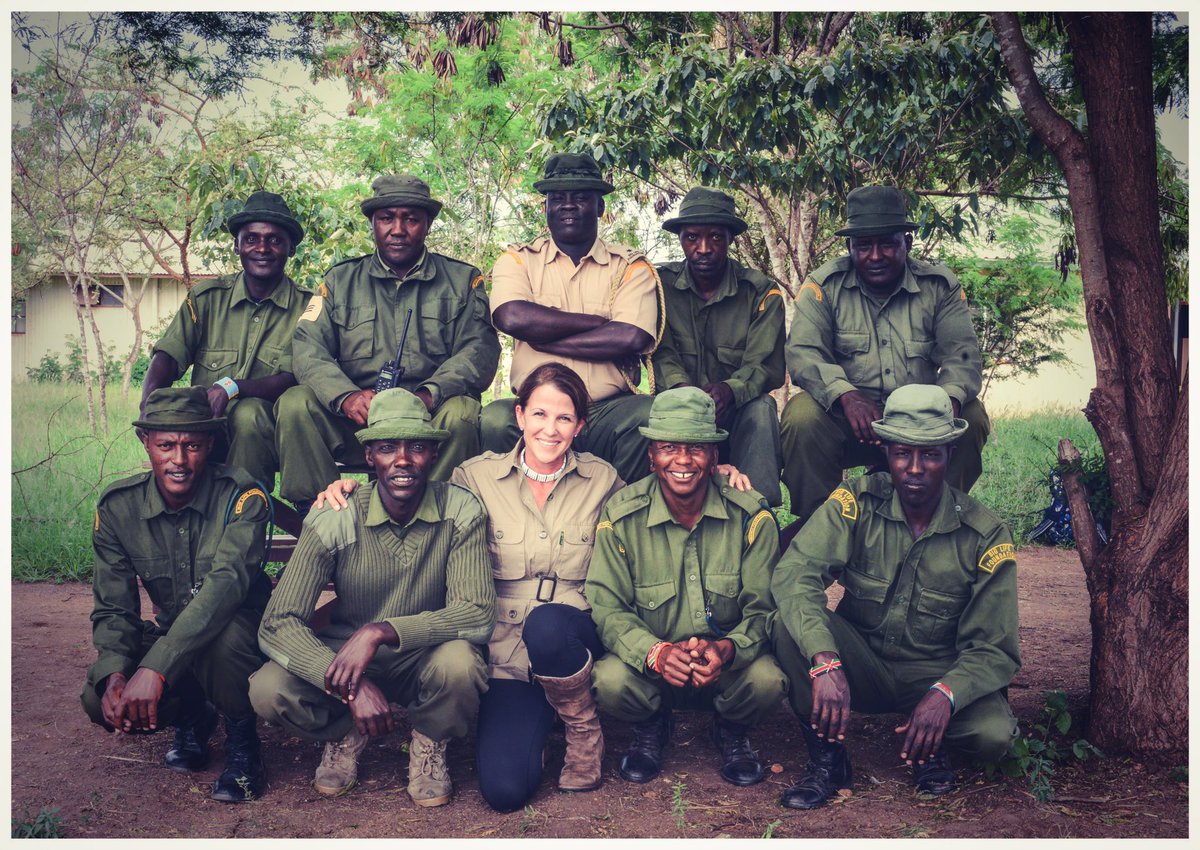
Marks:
<point>996,556</point>
<point>313,309</point>
<point>241,502</point>
<point>846,499</point>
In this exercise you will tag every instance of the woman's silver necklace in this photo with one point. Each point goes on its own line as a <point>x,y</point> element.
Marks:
<point>540,477</point>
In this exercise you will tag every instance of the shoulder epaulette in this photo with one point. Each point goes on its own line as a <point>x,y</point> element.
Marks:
<point>976,514</point>
<point>669,272</point>
<point>933,269</point>
<point>823,272</point>
<point>459,501</point>
<point>348,260</point>
<point>750,501</point>
<point>124,484</point>
<point>627,501</point>
<point>223,282</point>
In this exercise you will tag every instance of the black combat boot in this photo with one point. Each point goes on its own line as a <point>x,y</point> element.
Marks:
<point>244,776</point>
<point>828,770</point>
<point>935,777</point>
<point>739,763</point>
<point>189,750</point>
<point>643,761</point>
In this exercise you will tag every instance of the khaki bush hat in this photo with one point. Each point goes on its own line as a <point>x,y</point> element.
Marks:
<point>269,207</point>
<point>572,171</point>
<point>875,211</point>
<point>179,409</point>
<point>706,206</point>
<point>400,190</point>
<point>397,414</point>
<point>683,415</point>
<point>919,415</point>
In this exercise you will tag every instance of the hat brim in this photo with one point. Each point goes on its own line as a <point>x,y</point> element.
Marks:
<point>736,225</point>
<point>903,436</point>
<point>650,433</point>
<point>876,229</point>
<point>382,432</point>
<point>561,184</point>
<point>239,220</point>
<point>380,201</point>
<point>199,425</point>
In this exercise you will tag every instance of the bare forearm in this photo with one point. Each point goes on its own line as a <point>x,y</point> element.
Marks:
<point>613,340</point>
<point>536,324</point>
<point>268,388</point>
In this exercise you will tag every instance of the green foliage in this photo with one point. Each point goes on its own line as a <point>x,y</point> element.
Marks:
<point>48,371</point>
<point>769,832</point>
<point>679,805</point>
<point>1021,307</point>
<point>1035,755</point>
<point>47,824</point>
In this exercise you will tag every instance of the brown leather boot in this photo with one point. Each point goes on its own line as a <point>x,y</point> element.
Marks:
<point>571,696</point>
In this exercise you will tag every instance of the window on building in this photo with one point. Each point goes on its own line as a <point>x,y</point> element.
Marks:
<point>110,295</point>
<point>18,316</point>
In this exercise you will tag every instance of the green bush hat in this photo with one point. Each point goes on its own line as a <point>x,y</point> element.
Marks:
<point>706,206</point>
<point>683,415</point>
<point>572,171</point>
<point>875,211</point>
<point>397,414</point>
<point>400,190</point>
<point>269,207</point>
<point>179,409</point>
<point>919,415</point>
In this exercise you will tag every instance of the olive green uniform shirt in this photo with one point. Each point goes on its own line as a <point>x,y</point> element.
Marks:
<point>221,332</point>
<point>353,325</point>
<point>842,339</point>
<point>735,337</point>
<point>950,594</point>
<point>651,579</point>
<point>527,543</point>
<point>199,565</point>
<point>428,579</point>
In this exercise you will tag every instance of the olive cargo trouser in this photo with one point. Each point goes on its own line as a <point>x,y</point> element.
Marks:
<point>753,446</point>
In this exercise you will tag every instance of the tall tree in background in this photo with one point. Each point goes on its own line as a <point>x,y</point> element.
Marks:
<point>1138,580</point>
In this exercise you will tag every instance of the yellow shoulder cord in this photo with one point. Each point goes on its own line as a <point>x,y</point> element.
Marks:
<point>661,299</point>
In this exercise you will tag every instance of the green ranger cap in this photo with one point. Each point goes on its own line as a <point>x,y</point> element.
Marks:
<point>269,207</point>
<point>179,409</point>
<point>706,206</point>
<point>397,414</point>
<point>683,415</point>
<point>875,211</point>
<point>919,415</point>
<point>400,190</point>
<point>572,171</point>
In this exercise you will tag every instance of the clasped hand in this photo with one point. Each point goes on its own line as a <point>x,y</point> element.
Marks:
<point>696,661</point>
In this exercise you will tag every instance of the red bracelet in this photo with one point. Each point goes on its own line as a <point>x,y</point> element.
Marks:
<point>827,667</point>
<point>654,653</point>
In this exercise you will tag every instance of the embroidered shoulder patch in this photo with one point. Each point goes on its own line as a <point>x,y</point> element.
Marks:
<point>241,502</point>
<point>191,309</point>
<point>632,268</point>
<point>475,283</point>
<point>816,291</point>
<point>996,556</point>
<point>762,305</point>
<point>603,524</point>
<point>846,499</point>
<point>314,307</point>
<point>96,523</point>
<point>759,519</point>
<point>962,294</point>
<point>324,290</point>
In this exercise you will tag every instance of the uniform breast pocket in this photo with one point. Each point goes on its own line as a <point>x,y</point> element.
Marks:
<point>157,575</point>
<point>507,548</point>
<point>575,554</point>
<point>270,359</point>
<point>919,353</point>
<point>651,599</point>
<point>851,349</point>
<point>936,620</point>
<point>863,601</point>
<point>356,334</point>
<point>437,325</point>
<point>213,363</point>
<point>721,592</point>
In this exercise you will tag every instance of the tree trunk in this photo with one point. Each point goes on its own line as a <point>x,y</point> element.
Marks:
<point>81,305</point>
<point>1138,581</point>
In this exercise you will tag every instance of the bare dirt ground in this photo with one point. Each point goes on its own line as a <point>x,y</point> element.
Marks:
<point>112,786</point>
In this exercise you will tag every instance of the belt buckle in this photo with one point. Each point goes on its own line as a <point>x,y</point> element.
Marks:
<point>541,585</point>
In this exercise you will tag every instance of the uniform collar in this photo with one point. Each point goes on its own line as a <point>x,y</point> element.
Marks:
<point>598,253</point>
<point>421,271</point>
<point>427,510</point>
<point>908,283</point>
<point>153,504</point>
<point>512,465</point>
<point>727,287</point>
<point>945,518</point>
<point>659,513</point>
<point>281,295</point>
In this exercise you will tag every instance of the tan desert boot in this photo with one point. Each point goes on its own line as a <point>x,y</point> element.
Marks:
<point>338,770</point>
<point>428,777</point>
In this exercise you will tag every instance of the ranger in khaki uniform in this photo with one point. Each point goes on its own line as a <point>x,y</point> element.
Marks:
<point>725,335</point>
<point>928,622</point>
<point>193,533</point>
<point>352,327</point>
<point>235,333</point>
<point>863,325</point>
<point>680,591</point>
<point>579,300</point>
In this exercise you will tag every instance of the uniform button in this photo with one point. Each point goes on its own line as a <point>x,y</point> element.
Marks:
<point>691,578</point>
<point>901,598</point>
<point>584,538</point>
<point>887,371</point>
<point>212,365</point>
<point>183,531</point>
<point>257,319</point>
<point>512,614</point>
<point>499,534</point>
<point>882,342</point>
<point>542,535</point>
<point>725,489</point>
<point>699,615</point>
<point>649,604</point>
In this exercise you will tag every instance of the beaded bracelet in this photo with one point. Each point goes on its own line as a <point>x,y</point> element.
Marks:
<point>946,692</point>
<point>652,655</point>
<point>827,667</point>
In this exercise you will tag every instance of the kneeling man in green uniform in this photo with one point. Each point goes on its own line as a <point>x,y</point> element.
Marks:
<point>927,625</point>
<point>408,559</point>
<point>193,532</point>
<point>680,591</point>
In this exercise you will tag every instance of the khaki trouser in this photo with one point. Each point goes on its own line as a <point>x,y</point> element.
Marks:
<point>219,673</point>
<point>311,440</point>
<point>743,696</point>
<point>818,445</point>
<point>611,432</point>
<point>981,730</point>
<point>439,686</point>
